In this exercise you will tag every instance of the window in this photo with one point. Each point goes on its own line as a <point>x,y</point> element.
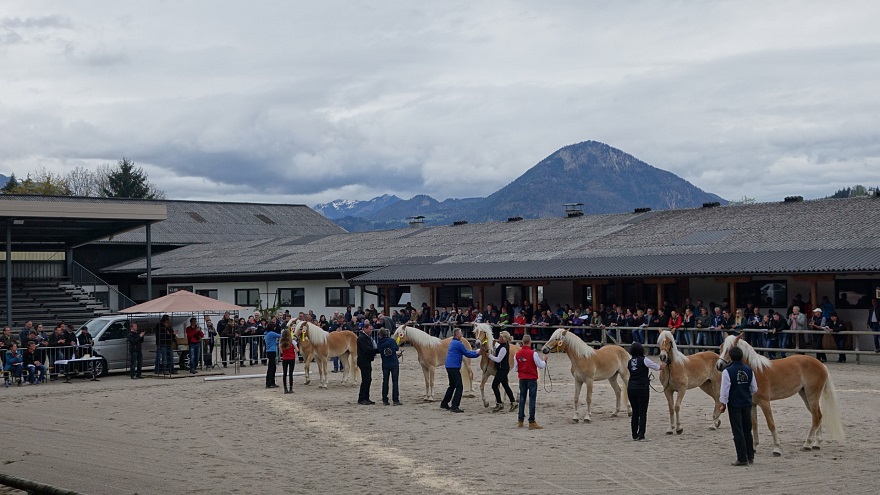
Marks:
<point>117,330</point>
<point>763,293</point>
<point>456,295</point>
<point>247,297</point>
<point>514,294</point>
<point>291,297</point>
<point>399,296</point>
<point>212,293</point>
<point>340,296</point>
<point>855,294</point>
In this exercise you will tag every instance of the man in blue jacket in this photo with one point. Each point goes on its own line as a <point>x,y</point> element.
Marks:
<point>456,352</point>
<point>389,351</point>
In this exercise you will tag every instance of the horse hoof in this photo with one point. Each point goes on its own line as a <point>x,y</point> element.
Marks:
<point>485,404</point>
<point>713,427</point>
<point>575,420</point>
<point>678,431</point>
<point>614,415</point>
<point>777,452</point>
<point>587,420</point>
<point>806,448</point>
<point>669,432</point>
<point>816,447</point>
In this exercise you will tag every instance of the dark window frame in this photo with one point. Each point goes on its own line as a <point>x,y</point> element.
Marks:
<point>295,301</point>
<point>207,293</point>
<point>345,298</point>
<point>248,301</point>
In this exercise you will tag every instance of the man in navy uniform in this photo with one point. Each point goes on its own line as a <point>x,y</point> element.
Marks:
<point>737,387</point>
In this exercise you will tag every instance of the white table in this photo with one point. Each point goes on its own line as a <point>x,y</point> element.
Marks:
<point>87,366</point>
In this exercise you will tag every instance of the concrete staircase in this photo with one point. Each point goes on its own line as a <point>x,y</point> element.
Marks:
<point>49,302</point>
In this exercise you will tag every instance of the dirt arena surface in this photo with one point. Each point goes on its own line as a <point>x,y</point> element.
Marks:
<point>191,436</point>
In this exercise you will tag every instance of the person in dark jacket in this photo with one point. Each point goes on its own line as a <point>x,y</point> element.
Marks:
<point>32,363</point>
<point>638,388</point>
<point>835,326</point>
<point>366,352</point>
<point>501,358</point>
<point>737,387</point>
<point>164,340</point>
<point>135,351</point>
<point>390,352</point>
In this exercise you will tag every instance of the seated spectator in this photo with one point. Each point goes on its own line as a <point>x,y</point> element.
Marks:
<point>7,339</point>
<point>13,362</point>
<point>32,363</point>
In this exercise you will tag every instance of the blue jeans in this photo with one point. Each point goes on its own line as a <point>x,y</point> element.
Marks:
<point>638,335</point>
<point>32,373</point>
<point>166,360</point>
<point>771,342</point>
<point>527,388</point>
<point>875,327</point>
<point>336,365</point>
<point>702,338</point>
<point>195,355</point>
<point>783,343</point>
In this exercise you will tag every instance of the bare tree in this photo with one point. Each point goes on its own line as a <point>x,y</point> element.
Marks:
<point>82,182</point>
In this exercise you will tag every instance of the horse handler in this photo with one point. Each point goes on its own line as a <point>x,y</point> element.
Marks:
<point>638,389</point>
<point>366,352</point>
<point>454,357</point>
<point>737,387</point>
<point>526,363</point>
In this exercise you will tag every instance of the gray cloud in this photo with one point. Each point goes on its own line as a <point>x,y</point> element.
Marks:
<point>311,102</point>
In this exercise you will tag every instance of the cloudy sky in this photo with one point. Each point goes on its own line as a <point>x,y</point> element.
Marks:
<point>306,102</point>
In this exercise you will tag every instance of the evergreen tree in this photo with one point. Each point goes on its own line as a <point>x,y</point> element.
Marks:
<point>128,181</point>
<point>11,185</point>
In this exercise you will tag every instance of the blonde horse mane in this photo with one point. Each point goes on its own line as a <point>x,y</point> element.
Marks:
<point>419,337</point>
<point>678,357</point>
<point>755,360</point>
<point>315,333</point>
<point>490,338</point>
<point>579,347</point>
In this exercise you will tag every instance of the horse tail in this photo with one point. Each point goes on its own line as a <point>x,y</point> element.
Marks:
<point>831,420</point>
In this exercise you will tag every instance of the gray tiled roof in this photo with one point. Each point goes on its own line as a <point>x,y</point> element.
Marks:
<point>191,222</point>
<point>813,236</point>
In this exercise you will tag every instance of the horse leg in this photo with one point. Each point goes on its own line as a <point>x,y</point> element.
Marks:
<point>322,372</point>
<point>710,389</point>
<point>344,359</point>
<point>768,415</point>
<point>589,417</point>
<point>467,378</point>
<point>678,428</point>
<point>624,375</point>
<point>669,402</point>
<point>306,361</point>
<point>812,443</point>
<point>577,399</point>
<point>482,389</point>
<point>616,386</point>
<point>429,383</point>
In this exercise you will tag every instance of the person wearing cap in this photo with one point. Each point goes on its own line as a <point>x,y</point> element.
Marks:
<point>194,336</point>
<point>738,385</point>
<point>818,322</point>
<point>367,350</point>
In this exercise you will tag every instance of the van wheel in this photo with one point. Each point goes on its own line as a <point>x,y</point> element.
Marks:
<point>101,367</point>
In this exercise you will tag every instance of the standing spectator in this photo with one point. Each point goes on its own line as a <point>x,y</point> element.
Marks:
<point>675,323</point>
<point>688,323</point>
<point>819,323</point>
<point>526,364</point>
<point>502,369</point>
<point>436,320</point>
<point>797,322</point>
<point>271,338</point>
<point>874,323</point>
<point>7,338</point>
<point>638,389</point>
<point>288,359</point>
<point>638,324</point>
<point>367,351</point>
<point>737,387</point>
<point>25,332</point>
<point>716,327</point>
<point>776,335</point>
<point>389,351</point>
<point>135,351</point>
<point>703,322</point>
<point>835,326</point>
<point>164,340</point>
<point>208,354</point>
<point>194,336</point>
<point>31,362</point>
<point>454,357</point>
<point>827,308</point>
<point>225,328</point>
<point>72,340</point>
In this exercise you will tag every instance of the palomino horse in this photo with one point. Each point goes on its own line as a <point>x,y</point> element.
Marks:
<point>432,353</point>
<point>683,373</point>
<point>483,335</point>
<point>315,343</point>
<point>588,364</point>
<point>782,378</point>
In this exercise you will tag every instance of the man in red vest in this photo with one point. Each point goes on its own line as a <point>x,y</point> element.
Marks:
<point>526,363</point>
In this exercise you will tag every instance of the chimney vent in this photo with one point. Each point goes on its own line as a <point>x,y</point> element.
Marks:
<point>793,199</point>
<point>713,204</point>
<point>460,222</point>
<point>642,210</point>
<point>514,219</point>
<point>416,222</point>
<point>574,209</point>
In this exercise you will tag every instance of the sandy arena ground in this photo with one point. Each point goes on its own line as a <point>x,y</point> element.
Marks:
<point>190,436</point>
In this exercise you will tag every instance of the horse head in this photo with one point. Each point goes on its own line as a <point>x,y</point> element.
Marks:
<point>556,340</point>
<point>730,341</point>
<point>483,336</point>
<point>666,344</point>
<point>399,335</point>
